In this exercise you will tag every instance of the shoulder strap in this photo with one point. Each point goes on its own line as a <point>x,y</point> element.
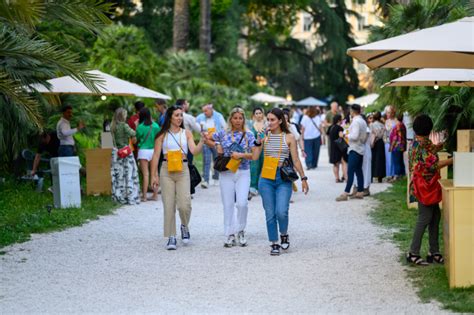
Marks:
<point>146,138</point>
<point>314,124</point>
<point>179,145</point>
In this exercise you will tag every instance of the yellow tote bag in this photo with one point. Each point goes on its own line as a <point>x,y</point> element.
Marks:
<point>270,163</point>
<point>269,167</point>
<point>211,131</point>
<point>175,161</point>
<point>233,165</point>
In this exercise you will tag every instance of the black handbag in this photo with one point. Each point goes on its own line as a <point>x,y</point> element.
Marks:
<point>220,162</point>
<point>342,145</point>
<point>287,171</point>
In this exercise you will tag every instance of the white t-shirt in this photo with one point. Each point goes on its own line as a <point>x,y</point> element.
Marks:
<point>310,130</point>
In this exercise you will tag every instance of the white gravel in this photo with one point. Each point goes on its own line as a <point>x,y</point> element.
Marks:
<point>339,262</point>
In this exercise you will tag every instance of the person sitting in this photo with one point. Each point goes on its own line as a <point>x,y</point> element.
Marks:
<point>48,142</point>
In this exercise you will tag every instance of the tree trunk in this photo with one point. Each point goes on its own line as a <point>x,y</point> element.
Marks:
<point>180,25</point>
<point>205,28</point>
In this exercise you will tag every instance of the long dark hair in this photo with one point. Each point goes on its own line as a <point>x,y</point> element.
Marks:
<point>167,123</point>
<point>144,116</point>
<point>281,116</point>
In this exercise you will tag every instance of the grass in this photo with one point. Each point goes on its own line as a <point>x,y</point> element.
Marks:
<point>431,282</point>
<point>24,211</point>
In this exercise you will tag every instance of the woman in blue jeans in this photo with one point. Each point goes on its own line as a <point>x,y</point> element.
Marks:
<point>278,145</point>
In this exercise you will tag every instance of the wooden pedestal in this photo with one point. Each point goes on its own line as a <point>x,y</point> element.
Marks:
<point>99,180</point>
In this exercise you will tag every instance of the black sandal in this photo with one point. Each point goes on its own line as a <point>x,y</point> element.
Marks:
<point>416,260</point>
<point>435,258</point>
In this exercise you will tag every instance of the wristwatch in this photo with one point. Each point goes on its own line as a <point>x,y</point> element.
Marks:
<point>256,143</point>
<point>304,178</point>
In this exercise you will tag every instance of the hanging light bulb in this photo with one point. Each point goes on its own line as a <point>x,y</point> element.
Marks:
<point>103,97</point>
<point>436,86</point>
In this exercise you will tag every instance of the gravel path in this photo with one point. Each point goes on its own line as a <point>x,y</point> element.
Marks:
<point>338,262</point>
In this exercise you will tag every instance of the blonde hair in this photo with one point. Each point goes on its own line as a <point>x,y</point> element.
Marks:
<point>236,110</point>
<point>120,115</point>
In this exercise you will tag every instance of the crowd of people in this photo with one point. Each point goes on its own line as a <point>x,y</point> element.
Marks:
<point>260,156</point>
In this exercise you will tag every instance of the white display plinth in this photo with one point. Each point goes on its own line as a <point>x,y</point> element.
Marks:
<point>66,183</point>
<point>463,170</point>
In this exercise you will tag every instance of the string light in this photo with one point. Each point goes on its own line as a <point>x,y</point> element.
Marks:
<point>103,97</point>
<point>436,86</point>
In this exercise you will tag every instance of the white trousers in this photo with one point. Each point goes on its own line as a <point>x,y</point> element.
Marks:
<point>234,193</point>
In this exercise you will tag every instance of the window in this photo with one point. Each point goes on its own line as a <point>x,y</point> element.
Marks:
<point>307,22</point>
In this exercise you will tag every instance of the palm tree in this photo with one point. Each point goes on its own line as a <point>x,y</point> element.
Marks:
<point>28,57</point>
<point>205,28</point>
<point>181,25</point>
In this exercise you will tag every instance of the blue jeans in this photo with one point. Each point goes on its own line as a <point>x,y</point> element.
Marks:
<point>355,166</point>
<point>311,148</point>
<point>276,196</point>
<point>66,150</point>
<point>208,155</point>
<point>398,163</point>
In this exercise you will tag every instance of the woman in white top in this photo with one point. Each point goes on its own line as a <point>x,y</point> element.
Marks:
<point>174,141</point>
<point>311,132</point>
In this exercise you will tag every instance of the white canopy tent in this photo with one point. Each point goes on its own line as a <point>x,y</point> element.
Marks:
<point>365,100</point>
<point>110,85</point>
<point>450,45</point>
<point>310,101</point>
<point>267,98</point>
<point>439,77</point>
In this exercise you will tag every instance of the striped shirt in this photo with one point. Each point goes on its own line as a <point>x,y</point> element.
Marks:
<point>272,146</point>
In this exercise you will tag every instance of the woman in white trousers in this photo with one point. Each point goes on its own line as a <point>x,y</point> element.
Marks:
<point>238,144</point>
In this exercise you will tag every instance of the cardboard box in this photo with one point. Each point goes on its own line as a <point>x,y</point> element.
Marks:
<point>463,167</point>
<point>98,165</point>
<point>465,140</point>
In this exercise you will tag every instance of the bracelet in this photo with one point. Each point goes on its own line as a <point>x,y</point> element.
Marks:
<point>304,178</point>
<point>257,144</point>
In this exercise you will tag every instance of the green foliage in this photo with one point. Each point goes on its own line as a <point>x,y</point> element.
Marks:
<point>23,212</point>
<point>27,57</point>
<point>431,282</point>
<point>125,52</point>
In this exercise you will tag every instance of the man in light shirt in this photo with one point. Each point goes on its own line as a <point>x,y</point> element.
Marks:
<point>210,121</point>
<point>357,137</point>
<point>189,122</point>
<point>65,133</point>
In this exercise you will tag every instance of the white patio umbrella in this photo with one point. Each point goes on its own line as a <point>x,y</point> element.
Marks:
<point>365,100</point>
<point>110,85</point>
<point>436,77</point>
<point>450,45</point>
<point>310,101</point>
<point>267,98</point>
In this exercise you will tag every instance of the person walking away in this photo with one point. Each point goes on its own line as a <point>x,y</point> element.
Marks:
<point>357,137</point>
<point>424,166</point>
<point>124,172</point>
<point>279,145</point>
<point>65,133</point>
<point>239,145</point>
<point>337,157</point>
<point>377,130</point>
<point>311,130</point>
<point>146,133</point>
<point>173,143</point>
<point>210,121</point>
<point>134,120</point>
<point>398,145</point>
<point>258,125</point>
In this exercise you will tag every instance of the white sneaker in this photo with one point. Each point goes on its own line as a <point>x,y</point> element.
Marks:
<point>230,241</point>
<point>204,184</point>
<point>253,192</point>
<point>215,182</point>
<point>242,240</point>
<point>171,245</point>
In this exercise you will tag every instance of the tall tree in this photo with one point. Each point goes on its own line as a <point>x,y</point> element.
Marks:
<point>181,25</point>
<point>205,28</point>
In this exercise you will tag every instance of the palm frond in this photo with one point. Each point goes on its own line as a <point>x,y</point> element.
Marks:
<point>22,12</point>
